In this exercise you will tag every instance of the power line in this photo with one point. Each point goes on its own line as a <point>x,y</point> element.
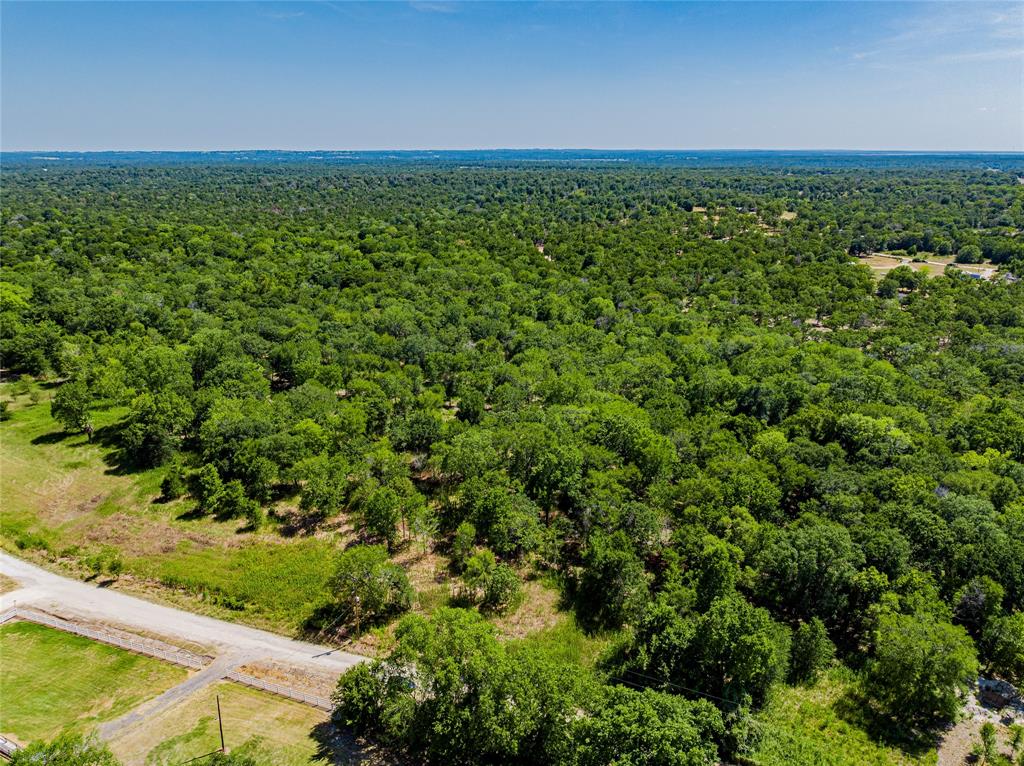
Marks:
<point>679,686</point>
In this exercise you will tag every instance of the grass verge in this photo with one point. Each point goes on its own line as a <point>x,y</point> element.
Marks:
<point>287,730</point>
<point>51,681</point>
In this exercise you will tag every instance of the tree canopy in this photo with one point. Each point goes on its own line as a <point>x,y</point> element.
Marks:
<point>680,394</point>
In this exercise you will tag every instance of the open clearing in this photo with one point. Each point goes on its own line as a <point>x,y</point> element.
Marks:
<point>189,729</point>
<point>51,680</point>
<point>65,499</point>
<point>805,726</point>
<point>934,265</point>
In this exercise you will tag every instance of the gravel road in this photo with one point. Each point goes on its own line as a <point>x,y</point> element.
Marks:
<point>71,598</point>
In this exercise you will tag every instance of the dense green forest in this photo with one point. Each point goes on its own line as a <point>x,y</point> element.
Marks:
<point>674,392</point>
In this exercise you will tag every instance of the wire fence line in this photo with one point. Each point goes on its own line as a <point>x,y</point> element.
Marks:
<point>282,691</point>
<point>177,656</point>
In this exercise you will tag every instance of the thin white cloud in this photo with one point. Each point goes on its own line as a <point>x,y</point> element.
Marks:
<point>437,6</point>
<point>957,32</point>
<point>282,15</point>
<point>994,54</point>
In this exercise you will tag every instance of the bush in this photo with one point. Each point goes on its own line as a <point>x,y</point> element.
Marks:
<point>105,561</point>
<point>232,503</point>
<point>502,589</point>
<point>462,545</point>
<point>811,651</point>
<point>369,588</point>
<point>173,485</point>
<point>206,487</point>
<point>255,515</point>
<point>66,750</point>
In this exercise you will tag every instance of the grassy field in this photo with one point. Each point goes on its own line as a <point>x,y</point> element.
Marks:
<point>804,726</point>
<point>189,729</point>
<point>933,265</point>
<point>41,697</point>
<point>65,499</point>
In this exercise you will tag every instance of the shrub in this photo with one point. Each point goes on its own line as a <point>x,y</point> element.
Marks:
<point>173,485</point>
<point>232,503</point>
<point>462,545</point>
<point>502,589</point>
<point>368,587</point>
<point>811,651</point>
<point>66,750</point>
<point>206,488</point>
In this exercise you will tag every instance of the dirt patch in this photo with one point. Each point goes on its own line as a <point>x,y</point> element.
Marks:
<point>956,744</point>
<point>424,568</point>
<point>537,611</point>
<point>300,679</point>
<point>7,584</point>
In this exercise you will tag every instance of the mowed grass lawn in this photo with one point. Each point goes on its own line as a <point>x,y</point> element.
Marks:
<point>65,498</point>
<point>803,726</point>
<point>51,681</point>
<point>189,729</point>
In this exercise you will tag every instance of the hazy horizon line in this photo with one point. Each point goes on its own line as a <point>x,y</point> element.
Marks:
<point>837,150</point>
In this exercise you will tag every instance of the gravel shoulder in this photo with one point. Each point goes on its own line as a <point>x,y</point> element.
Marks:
<point>69,598</point>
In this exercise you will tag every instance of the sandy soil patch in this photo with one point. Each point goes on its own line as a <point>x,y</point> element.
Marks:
<point>957,743</point>
<point>537,611</point>
<point>303,679</point>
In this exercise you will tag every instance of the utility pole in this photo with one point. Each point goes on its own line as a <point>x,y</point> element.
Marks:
<point>220,723</point>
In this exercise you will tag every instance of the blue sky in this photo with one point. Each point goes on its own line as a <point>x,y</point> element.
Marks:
<point>335,75</point>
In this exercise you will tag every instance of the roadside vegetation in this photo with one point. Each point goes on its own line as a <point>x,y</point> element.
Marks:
<point>596,463</point>
<point>284,732</point>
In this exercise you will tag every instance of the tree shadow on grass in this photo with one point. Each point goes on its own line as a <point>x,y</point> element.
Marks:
<point>118,460</point>
<point>53,437</point>
<point>299,524</point>
<point>857,710</point>
<point>338,746</point>
<point>191,514</point>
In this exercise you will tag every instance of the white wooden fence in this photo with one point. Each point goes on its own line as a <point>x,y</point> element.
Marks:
<point>177,656</point>
<point>282,691</point>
